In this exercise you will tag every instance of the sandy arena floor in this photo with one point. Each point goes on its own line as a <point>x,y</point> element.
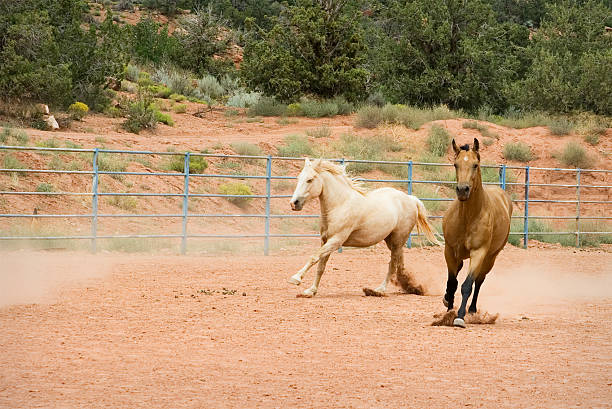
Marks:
<point>168,332</point>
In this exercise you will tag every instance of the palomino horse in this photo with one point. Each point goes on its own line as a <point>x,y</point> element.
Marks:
<point>352,217</point>
<point>476,226</point>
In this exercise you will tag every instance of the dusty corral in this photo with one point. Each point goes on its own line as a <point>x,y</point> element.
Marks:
<point>194,331</point>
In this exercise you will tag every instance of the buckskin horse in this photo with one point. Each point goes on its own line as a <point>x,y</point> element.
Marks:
<point>476,226</point>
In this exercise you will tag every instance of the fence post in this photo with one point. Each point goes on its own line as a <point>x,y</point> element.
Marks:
<point>94,203</point>
<point>577,207</point>
<point>409,243</point>
<point>526,221</point>
<point>185,203</point>
<point>268,199</point>
<point>502,176</point>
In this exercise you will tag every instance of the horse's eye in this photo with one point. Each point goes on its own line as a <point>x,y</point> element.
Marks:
<point>475,165</point>
<point>309,181</point>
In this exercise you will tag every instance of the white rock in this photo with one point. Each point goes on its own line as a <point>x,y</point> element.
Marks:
<point>52,122</point>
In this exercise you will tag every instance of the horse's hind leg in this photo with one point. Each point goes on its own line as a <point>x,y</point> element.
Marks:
<point>487,266</point>
<point>396,264</point>
<point>478,283</point>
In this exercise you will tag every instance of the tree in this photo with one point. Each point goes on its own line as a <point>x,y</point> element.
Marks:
<point>204,40</point>
<point>315,47</point>
<point>446,51</point>
<point>565,74</point>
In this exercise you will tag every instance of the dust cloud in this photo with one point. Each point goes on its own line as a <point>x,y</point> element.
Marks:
<point>28,277</point>
<point>523,289</point>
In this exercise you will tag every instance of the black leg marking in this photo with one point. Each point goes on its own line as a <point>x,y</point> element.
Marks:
<point>466,290</point>
<point>477,285</point>
<point>451,287</point>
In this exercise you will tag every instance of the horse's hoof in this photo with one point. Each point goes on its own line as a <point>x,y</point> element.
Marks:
<point>459,323</point>
<point>294,281</point>
<point>445,302</point>
<point>305,295</point>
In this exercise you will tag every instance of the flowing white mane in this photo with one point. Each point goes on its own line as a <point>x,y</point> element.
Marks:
<point>321,165</point>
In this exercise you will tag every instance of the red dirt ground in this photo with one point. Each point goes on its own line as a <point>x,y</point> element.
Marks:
<point>157,331</point>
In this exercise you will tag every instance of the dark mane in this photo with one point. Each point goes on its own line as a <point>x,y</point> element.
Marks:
<point>465,147</point>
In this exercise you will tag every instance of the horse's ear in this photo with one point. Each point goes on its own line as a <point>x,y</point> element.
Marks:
<point>455,147</point>
<point>476,145</point>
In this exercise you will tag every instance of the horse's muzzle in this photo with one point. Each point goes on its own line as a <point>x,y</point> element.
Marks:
<point>296,205</point>
<point>463,192</point>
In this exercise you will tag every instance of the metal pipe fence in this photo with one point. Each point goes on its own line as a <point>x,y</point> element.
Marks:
<point>409,182</point>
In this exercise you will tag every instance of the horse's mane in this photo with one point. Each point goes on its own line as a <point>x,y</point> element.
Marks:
<point>338,170</point>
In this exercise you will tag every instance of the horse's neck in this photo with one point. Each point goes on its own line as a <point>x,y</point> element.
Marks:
<point>472,207</point>
<point>335,192</point>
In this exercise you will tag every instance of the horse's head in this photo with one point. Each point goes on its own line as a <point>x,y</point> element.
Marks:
<point>467,167</point>
<point>309,185</point>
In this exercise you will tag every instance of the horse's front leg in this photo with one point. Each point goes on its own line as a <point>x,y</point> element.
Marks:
<point>321,255</point>
<point>476,265</point>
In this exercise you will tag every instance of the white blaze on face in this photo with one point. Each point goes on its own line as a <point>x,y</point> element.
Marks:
<point>465,158</point>
<point>301,187</point>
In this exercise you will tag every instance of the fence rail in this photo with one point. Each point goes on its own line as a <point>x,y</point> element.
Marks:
<point>409,182</point>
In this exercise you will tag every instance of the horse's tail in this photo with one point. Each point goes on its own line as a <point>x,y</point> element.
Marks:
<point>422,223</point>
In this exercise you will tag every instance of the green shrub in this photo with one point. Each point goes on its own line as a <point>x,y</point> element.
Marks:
<point>160,91</point>
<point>320,132</point>
<point>369,117</point>
<point>488,141</point>
<point>197,164</point>
<point>243,99</point>
<point>344,107</point>
<point>266,106</point>
<point>180,108</point>
<point>592,139</point>
<point>519,120</point>
<point>127,86</point>
<point>294,109</point>
<point>11,162</point>
<point>164,118</point>
<point>5,135</point>
<point>113,112</point>
<point>575,155</point>
<point>108,162</point>
<point>21,137</point>
<point>144,79</point>
<point>246,148</point>
<point>318,109</point>
<point>177,97</point>
<point>438,140</point>
<point>78,110</point>
<point>518,151</point>
<point>132,72</point>
<point>295,146</point>
<point>209,86</point>
<point>373,148</point>
<point>560,126</point>
<point>178,81</point>
<point>128,203</point>
<point>140,115</point>
<point>45,187</point>
<point>236,188</point>
<point>48,143</point>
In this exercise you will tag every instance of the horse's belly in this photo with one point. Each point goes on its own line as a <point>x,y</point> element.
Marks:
<point>364,238</point>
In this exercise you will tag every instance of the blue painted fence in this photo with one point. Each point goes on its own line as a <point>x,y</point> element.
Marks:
<point>266,235</point>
